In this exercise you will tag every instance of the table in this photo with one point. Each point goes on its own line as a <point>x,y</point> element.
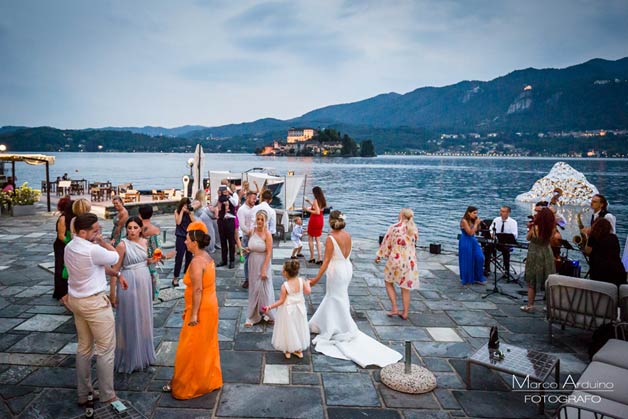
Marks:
<point>520,362</point>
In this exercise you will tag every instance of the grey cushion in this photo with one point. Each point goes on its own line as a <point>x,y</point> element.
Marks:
<point>606,406</point>
<point>570,301</point>
<point>614,352</point>
<point>598,374</point>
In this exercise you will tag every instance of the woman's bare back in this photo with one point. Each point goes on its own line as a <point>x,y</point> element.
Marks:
<point>344,241</point>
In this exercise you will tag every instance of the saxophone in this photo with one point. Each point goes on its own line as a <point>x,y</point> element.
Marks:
<point>580,239</point>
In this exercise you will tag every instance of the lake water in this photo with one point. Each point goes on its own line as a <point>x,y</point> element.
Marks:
<point>372,191</point>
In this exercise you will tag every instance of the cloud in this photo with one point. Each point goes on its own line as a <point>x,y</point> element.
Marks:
<point>71,63</point>
<point>230,70</point>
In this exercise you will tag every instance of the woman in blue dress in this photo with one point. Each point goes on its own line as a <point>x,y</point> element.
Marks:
<point>470,256</point>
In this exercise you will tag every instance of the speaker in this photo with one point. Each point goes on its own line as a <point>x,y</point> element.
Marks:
<point>435,248</point>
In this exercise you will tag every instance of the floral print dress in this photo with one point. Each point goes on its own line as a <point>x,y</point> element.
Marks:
<point>400,250</point>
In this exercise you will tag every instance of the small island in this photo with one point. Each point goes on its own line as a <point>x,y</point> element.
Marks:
<point>324,143</point>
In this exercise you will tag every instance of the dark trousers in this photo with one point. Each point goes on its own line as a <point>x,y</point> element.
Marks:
<point>178,259</point>
<point>226,227</point>
<point>489,250</point>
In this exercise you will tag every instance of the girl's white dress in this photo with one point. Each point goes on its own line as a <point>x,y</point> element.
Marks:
<point>291,332</point>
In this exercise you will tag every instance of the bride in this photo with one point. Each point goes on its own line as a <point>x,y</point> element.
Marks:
<point>338,335</point>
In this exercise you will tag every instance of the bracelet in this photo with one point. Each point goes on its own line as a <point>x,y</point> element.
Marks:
<point>118,274</point>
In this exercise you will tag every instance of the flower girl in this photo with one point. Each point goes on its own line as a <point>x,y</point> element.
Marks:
<point>291,333</point>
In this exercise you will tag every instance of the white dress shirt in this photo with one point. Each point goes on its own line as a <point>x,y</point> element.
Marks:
<point>246,218</point>
<point>86,263</point>
<point>509,226</point>
<point>272,215</point>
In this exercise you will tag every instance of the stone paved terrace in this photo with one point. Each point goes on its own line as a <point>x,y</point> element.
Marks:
<point>447,322</point>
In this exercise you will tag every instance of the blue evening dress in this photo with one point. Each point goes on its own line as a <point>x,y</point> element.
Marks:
<point>470,259</point>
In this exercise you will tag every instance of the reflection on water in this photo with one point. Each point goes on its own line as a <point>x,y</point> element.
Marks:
<point>372,191</point>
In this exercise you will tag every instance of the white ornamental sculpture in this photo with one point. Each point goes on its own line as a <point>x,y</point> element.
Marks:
<point>575,188</point>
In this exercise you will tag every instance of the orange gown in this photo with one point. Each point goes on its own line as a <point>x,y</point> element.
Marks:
<point>197,363</point>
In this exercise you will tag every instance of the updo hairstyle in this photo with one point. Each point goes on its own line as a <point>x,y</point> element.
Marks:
<point>81,206</point>
<point>292,268</point>
<point>336,220</point>
<point>200,237</point>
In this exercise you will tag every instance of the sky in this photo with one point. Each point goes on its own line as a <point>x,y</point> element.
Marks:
<point>83,63</point>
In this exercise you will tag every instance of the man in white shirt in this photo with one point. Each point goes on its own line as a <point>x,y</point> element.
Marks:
<point>88,258</point>
<point>264,205</point>
<point>599,206</point>
<point>246,220</point>
<point>503,225</point>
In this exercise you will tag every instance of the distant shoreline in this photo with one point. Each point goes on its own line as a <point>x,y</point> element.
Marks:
<point>385,154</point>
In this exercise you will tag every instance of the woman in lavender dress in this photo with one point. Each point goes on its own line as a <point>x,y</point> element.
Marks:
<point>134,308</point>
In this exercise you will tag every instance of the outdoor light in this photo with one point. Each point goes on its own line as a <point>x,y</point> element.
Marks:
<point>3,148</point>
<point>190,164</point>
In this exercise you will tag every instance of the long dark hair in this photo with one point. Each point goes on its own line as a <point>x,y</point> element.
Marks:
<point>601,228</point>
<point>546,224</point>
<point>183,202</point>
<point>467,213</point>
<point>320,197</point>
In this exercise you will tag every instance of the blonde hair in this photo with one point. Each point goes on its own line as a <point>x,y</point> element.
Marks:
<point>337,220</point>
<point>81,206</point>
<point>407,219</point>
<point>200,197</point>
<point>263,214</point>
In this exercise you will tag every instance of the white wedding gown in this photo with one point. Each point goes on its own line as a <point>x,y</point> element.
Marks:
<point>338,335</point>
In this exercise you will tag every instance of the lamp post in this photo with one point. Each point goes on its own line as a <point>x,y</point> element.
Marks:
<point>190,164</point>
<point>3,148</point>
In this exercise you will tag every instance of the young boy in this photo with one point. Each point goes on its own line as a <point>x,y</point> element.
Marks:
<point>297,232</point>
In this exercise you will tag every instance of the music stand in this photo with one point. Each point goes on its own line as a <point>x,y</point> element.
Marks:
<point>503,239</point>
<point>566,245</point>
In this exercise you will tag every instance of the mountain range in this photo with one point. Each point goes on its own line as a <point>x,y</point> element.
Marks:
<point>592,95</point>
<point>588,96</point>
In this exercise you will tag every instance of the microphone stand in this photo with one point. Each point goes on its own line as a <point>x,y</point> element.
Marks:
<point>495,289</point>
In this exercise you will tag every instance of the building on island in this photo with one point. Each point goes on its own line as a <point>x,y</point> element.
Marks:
<point>298,135</point>
<point>301,142</point>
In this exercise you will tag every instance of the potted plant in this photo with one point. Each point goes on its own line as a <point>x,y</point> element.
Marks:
<point>21,200</point>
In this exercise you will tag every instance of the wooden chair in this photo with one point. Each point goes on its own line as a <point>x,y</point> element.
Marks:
<point>64,187</point>
<point>125,187</point>
<point>131,195</point>
<point>95,194</point>
<point>170,193</point>
<point>158,195</point>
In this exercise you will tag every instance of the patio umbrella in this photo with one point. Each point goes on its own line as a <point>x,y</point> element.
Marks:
<point>197,170</point>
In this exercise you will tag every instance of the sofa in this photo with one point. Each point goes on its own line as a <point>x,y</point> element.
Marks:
<point>623,302</point>
<point>593,397</point>
<point>580,303</point>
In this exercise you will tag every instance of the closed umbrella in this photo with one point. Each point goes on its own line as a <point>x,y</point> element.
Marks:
<point>197,170</point>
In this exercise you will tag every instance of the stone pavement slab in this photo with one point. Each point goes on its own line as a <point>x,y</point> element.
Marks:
<point>446,323</point>
<point>262,401</point>
<point>350,390</point>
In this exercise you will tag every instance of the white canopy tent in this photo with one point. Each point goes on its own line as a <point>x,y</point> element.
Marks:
<point>292,185</point>
<point>33,159</point>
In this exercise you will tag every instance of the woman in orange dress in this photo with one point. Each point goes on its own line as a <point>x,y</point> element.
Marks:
<point>197,363</point>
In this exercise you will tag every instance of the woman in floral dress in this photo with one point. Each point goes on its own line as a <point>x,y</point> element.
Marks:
<point>399,247</point>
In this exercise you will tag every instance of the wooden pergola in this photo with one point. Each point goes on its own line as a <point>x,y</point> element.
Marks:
<point>34,159</point>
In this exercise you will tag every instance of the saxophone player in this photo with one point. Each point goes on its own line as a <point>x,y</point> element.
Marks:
<point>599,207</point>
